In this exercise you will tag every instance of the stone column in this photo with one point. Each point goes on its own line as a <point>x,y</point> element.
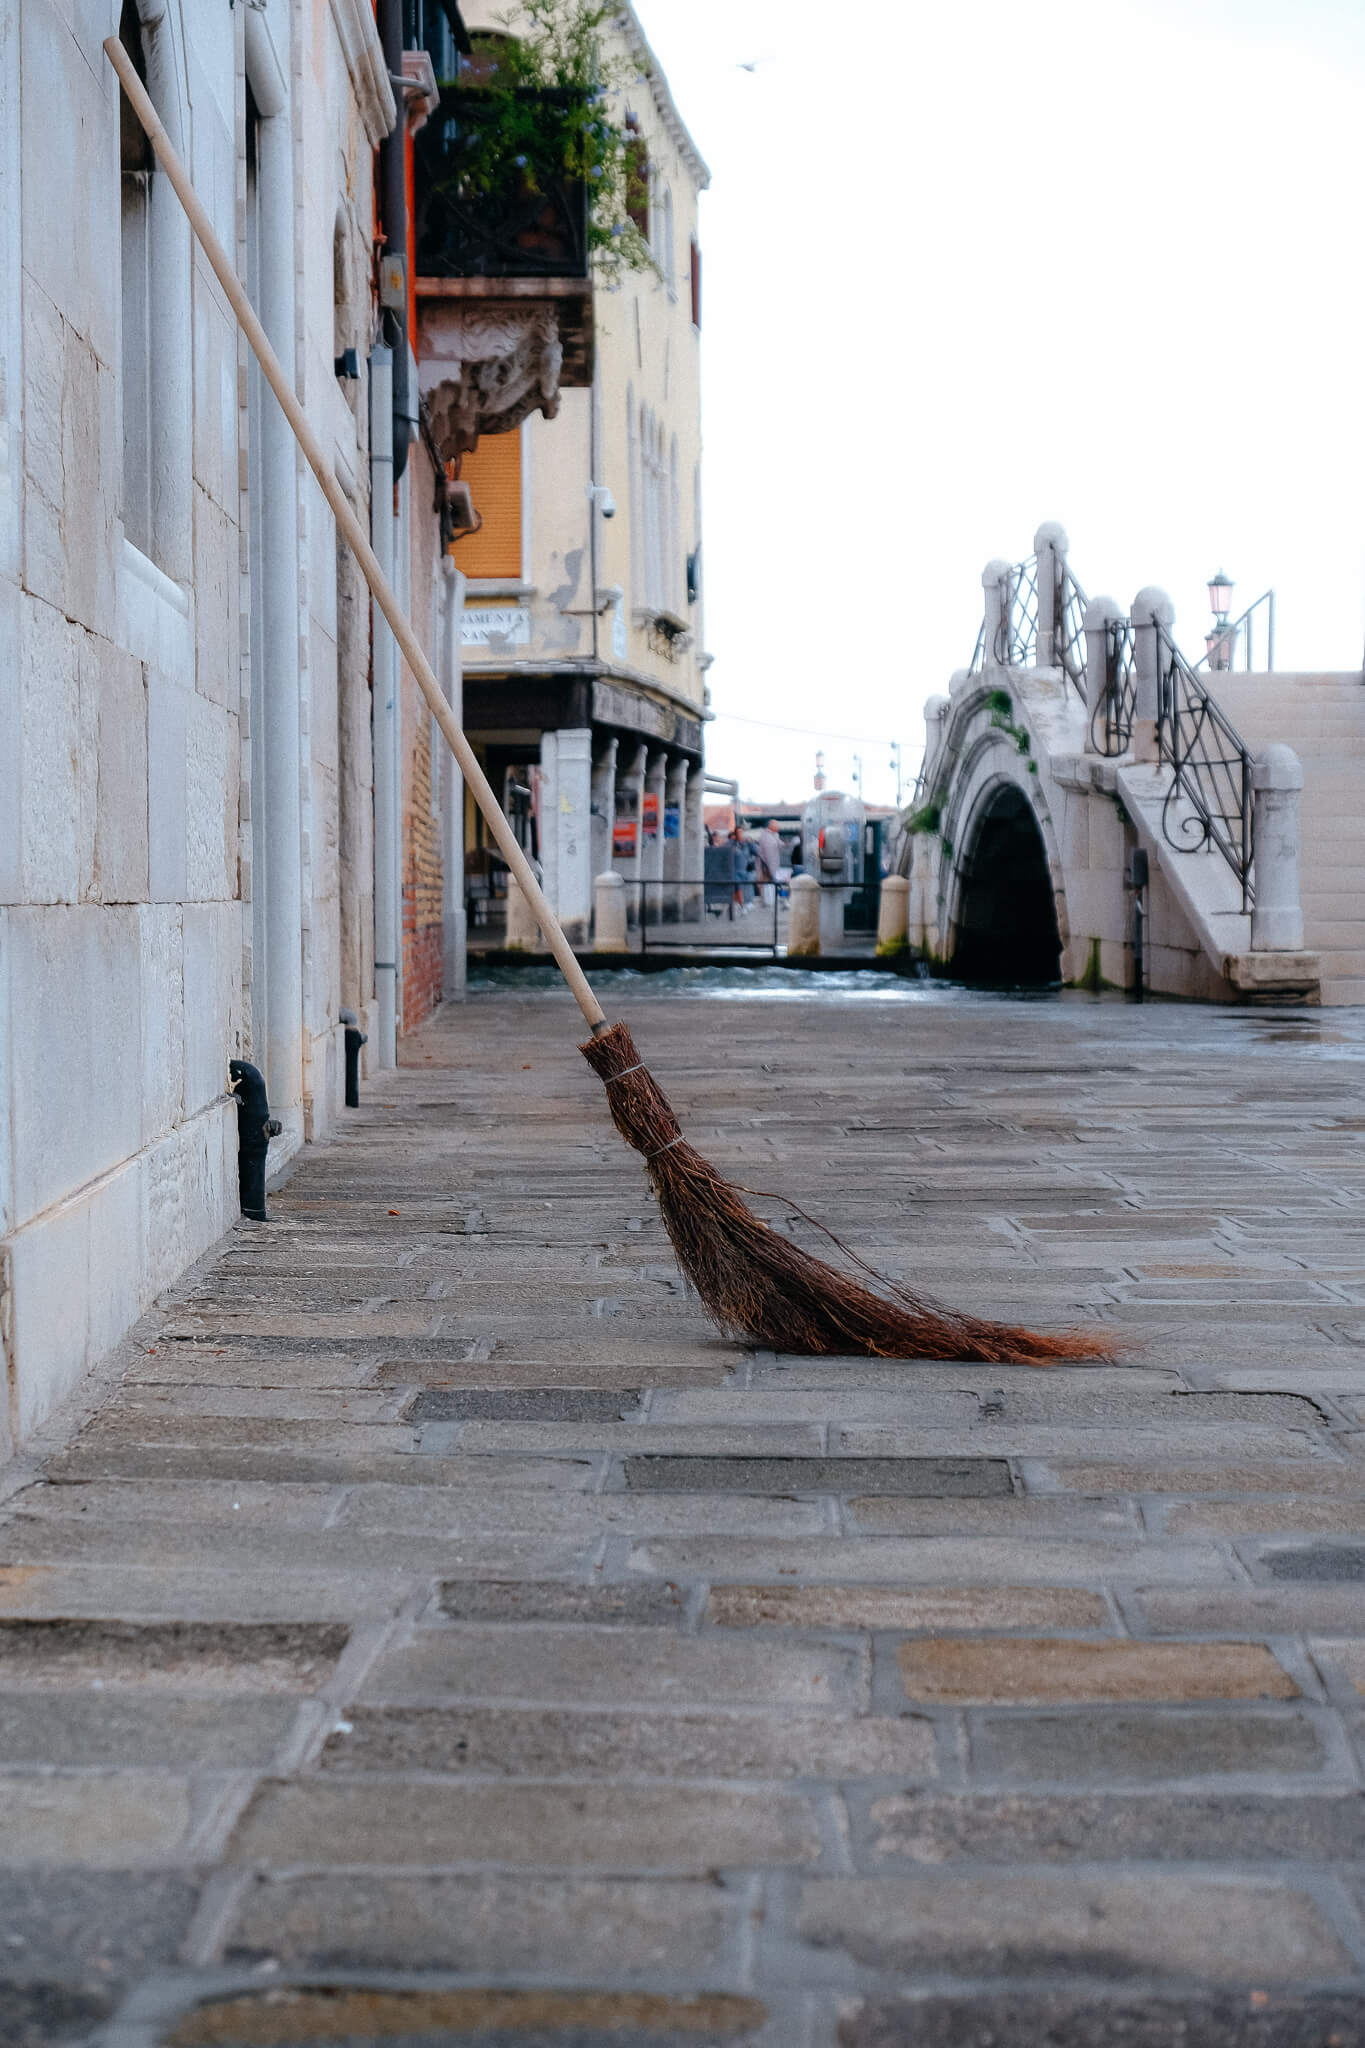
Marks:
<point>803,933</point>
<point>921,919</point>
<point>652,850</point>
<point>694,846</point>
<point>1050,546</point>
<point>523,933</point>
<point>675,796</point>
<point>1100,614</point>
<point>936,711</point>
<point>547,843</point>
<point>630,792</point>
<point>603,806</point>
<point>1277,915</point>
<point>995,583</point>
<point>893,915</point>
<point>566,827</point>
<point>1152,609</point>
<point>609,891</point>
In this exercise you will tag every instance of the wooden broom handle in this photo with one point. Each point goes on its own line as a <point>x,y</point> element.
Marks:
<point>384,595</point>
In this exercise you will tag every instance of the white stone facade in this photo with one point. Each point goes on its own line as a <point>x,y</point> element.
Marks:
<point>175,722</point>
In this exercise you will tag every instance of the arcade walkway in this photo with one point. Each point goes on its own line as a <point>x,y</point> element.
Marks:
<point>438,1636</point>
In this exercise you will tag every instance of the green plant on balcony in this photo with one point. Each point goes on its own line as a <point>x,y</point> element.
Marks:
<point>536,122</point>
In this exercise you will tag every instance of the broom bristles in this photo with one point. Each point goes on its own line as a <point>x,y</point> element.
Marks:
<point>757,1285</point>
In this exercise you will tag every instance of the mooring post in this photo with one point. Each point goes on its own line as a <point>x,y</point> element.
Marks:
<point>1277,914</point>
<point>1152,610</point>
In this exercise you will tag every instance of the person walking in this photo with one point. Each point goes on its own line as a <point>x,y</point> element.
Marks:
<point>770,858</point>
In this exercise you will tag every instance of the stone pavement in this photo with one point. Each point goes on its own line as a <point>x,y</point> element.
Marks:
<point>436,1635</point>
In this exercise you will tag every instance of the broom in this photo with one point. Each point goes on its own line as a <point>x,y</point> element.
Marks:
<point>754,1283</point>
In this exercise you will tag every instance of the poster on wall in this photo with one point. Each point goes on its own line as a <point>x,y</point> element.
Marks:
<point>672,822</point>
<point>623,839</point>
<point>649,812</point>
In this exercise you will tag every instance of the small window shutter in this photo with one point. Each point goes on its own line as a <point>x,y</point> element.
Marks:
<point>696,284</point>
<point>493,472</point>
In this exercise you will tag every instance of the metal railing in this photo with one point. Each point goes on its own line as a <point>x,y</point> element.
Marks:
<point>1014,644</point>
<point>681,923</point>
<point>1111,721</point>
<point>1220,653</point>
<point>1210,767</point>
<point>1069,633</point>
<point>519,225</point>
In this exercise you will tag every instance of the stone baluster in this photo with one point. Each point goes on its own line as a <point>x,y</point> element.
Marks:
<point>803,932</point>
<point>609,892</point>
<point>936,711</point>
<point>1152,610</point>
<point>1100,614</point>
<point>1049,545</point>
<point>1277,915</point>
<point>995,582</point>
<point>893,915</point>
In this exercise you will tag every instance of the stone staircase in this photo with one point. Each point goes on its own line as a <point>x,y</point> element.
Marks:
<point>1322,717</point>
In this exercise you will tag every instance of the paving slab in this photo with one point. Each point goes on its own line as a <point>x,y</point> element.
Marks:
<point>528,1742</point>
<point>1112,1926</point>
<point>926,1826</point>
<point>392,1822</point>
<point>440,1633</point>
<point>641,1929</point>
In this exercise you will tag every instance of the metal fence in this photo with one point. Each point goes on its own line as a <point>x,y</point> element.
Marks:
<point>1210,768</point>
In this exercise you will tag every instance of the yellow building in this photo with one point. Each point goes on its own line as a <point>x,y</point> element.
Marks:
<point>582,641</point>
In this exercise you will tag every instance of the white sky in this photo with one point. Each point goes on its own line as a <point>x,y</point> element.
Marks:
<point>977,264</point>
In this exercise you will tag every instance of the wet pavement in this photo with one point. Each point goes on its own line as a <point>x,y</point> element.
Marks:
<point>430,1631</point>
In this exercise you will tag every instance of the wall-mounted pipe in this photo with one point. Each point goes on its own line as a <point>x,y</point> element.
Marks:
<point>387,927</point>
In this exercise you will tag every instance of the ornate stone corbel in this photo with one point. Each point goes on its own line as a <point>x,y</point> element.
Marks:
<point>484,369</point>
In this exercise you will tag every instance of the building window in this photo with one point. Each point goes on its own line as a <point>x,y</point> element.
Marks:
<point>633,492</point>
<point>136,168</point>
<point>154,343</point>
<point>664,252</point>
<point>696,285</point>
<point>676,602</point>
<point>493,472</point>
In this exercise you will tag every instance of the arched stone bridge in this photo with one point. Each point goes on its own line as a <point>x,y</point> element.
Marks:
<point>1078,739</point>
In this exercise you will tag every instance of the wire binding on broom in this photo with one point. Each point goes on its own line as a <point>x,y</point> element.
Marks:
<point>758,1285</point>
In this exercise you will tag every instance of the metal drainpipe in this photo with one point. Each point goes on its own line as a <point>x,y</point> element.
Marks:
<point>393,212</point>
<point>456,955</point>
<point>385,664</point>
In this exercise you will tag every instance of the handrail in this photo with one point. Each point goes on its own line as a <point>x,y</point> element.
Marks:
<point>1015,641</point>
<point>1069,634</point>
<point>1111,722</point>
<point>1226,637</point>
<point>1210,766</point>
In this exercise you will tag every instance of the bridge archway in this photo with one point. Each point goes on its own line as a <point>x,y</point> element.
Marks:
<point>1006,930</point>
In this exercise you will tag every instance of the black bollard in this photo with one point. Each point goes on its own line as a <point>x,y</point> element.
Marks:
<point>355,1038</point>
<point>255,1128</point>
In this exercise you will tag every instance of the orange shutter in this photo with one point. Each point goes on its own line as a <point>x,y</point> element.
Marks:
<point>493,473</point>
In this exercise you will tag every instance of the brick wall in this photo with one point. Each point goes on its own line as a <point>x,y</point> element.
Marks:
<point>422,933</point>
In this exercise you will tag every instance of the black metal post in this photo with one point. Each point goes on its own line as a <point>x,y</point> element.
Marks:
<point>355,1038</point>
<point>255,1128</point>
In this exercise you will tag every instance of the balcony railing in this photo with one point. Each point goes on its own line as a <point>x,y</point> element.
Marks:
<point>521,227</point>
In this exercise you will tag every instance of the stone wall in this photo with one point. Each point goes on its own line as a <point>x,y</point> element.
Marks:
<point>127,964</point>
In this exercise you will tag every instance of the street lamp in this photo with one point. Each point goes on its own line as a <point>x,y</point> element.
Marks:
<point>1218,642</point>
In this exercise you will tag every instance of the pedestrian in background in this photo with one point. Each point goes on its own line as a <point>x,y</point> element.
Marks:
<point>770,858</point>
